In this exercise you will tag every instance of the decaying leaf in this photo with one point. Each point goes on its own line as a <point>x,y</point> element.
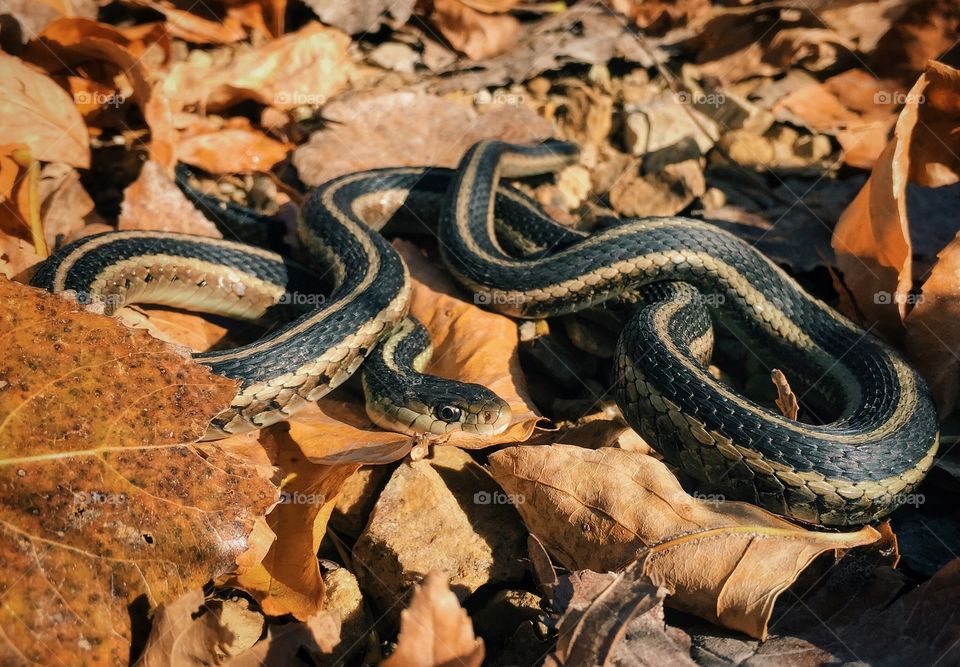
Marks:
<point>585,33</point>
<point>233,149</point>
<point>873,239</point>
<point>20,197</point>
<point>37,112</point>
<point>304,68</point>
<point>65,206</point>
<point>104,498</point>
<point>288,580</point>
<point>615,618</point>
<point>786,399</point>
<point>601,509</point>
<point>405,129</point>
<point>153,201</point>
<point>193,28</point>
<point>478,34</point>
<point>360,17</point>
<point>194,632</point>
<point>435,630</point>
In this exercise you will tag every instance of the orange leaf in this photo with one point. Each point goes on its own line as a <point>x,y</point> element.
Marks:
<point>434,630</point>
<point>288,581</point>
<point>106,495</point>
<point>872,239</point>
<point>476,34</point>
<point>232,150</point>
<point>153,201</point>
<point>35,111</point>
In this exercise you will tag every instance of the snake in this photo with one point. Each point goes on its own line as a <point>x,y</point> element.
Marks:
<point>344,310</point>
<point>877,429</point>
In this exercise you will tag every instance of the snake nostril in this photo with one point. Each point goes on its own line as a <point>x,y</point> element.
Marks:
<point>489,416</point>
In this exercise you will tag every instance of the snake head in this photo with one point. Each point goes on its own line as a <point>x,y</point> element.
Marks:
<point>475,410</point>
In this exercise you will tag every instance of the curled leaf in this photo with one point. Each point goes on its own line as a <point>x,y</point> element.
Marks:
<point>601,509</point>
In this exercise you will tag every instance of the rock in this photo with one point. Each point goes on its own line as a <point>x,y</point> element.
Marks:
<point>357,498</point>
<point>683,150</point>
<point>732,111</point>
<point>394,56</point>
<point>667,192</point>
<point>747,149</point>
<point>343,597</point>
<point>662,122</point>
<point>814,148</point>
<point>574,185</point>
<point>444,513</point>
<point>610,170</point>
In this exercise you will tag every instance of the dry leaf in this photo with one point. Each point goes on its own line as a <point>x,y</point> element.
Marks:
<point>68,43</point>
<point>193,28</point>
<point>304,68</point>
<point>658,16</point>
<point>600,509</point>
<point>873,240</point>
<point>193,632</point>
<point>612,619</point>
<point>288,581</point>
<point>477,34</point>
<point>37,112</point>
<point>434,630</point>
<point>192,331</point>
<point>102,502</point>
<point>405,129</point>
<point>153,201</point>
<point>34,15</point>
<point>286,644</point>
<point>855,106</point>
<point>66,207</point>
<point>17,257</point>
<point>20,197</point>
<point>786,400</point>
<point>362,17</point>
<point>231,150</point>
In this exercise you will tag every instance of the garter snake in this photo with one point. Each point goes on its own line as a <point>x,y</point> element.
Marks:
<point>352,308</point>
<point>880,436</point>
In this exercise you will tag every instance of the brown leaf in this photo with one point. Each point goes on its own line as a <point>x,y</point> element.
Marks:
<point>855,106</point>
<point>304,68</point>
<point>613,619</point>
<point>105,499</point>
<point>600,509</point>
<point>359,17</point>
<point>68,43</point>
<point>231,150</point>
<point>786,400</point>
<point>34,15</point>
<point>153,201</point>
<point>872,239</point>
<point>288,581</point>
<point>931,339</point>
<point>477,34</point>
<point>434,630</point>
<point>658,16</point>
<point>193,28</point>
<point>66,207</point>
<point>20,197</point>
<point>285,644</point>
<point>405,129</point>
<point>37,112</point>
<point>194,632</point>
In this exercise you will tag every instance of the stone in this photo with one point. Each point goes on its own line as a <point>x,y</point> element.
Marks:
<point>444,513</point>
<point>747,149</point>
<point>357,498</point>
<point>394,56</point>
<point>662,122</point>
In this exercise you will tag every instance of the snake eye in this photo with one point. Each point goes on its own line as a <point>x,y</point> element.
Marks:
<point>449,413</point>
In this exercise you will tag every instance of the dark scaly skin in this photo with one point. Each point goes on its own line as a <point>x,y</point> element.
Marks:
<point>857,468</point>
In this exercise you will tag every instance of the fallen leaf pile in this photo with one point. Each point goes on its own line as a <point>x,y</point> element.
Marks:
<point>824,134</point>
